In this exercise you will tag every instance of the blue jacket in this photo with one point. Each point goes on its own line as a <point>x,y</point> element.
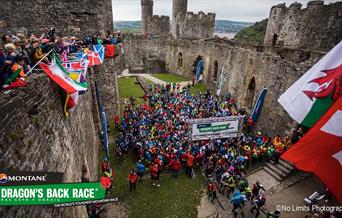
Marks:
<point>140,167</point>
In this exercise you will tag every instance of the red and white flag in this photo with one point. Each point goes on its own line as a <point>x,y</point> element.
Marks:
<point>320,150</point>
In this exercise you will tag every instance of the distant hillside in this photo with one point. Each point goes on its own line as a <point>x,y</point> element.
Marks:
<point>227,26</point>
<point>128,26</point>
<point>221,26</point>
<point>255,33</point>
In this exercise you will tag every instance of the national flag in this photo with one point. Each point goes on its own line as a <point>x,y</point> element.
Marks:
<point>60,76</point>
<point>121,49</point>
<point>79,76</point>
<point>65,54</point>
<point>100,51</point>
<point>77,68</point>
<point>93,58</point>
<point>219,83</point>
<point>199,70</point>
<point>320,150</point>
<point>110,51</point>
<point>81,56</point>
<point>73,65</point>
<point>312,95</point>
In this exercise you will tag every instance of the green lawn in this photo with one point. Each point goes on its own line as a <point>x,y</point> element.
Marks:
<point>128,88</point>
<point>199,87</point>
<point>170,77</point>
<point>174,198</point>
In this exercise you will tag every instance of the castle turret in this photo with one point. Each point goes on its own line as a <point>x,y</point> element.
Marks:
<point>178,7</point>
<point>146,15</point>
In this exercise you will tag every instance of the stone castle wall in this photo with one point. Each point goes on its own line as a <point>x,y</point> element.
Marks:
<point>35,135</point>
<point>275,69</point>
<point>317,27</point>
<point>78,17</point>
<point>194,26</point>
<point>160,25</point>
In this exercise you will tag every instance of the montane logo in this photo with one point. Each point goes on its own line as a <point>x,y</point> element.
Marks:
<point>3,178</point>
<point>27,178</point>
<point>6,178</point>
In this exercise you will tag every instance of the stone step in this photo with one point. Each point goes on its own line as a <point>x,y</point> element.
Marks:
<point>284,169</point>
<point>286,164</point>
<point>276,169</point>
<point>272,173</point>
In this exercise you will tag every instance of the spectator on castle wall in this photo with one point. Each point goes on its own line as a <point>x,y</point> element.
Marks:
<point>17,44</point>
<point>8,59</point>
<point>6,39</point>
<point>37,52</point>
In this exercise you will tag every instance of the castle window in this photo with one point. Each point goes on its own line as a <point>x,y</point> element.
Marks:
<point>215,70</point>
<point>274,39</point>
<point>180,60</point>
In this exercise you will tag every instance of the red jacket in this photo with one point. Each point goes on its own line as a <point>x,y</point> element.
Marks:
<point>153,171</point>
<point>175,164</point>
<point>190,161</point>
<point>132,177</point>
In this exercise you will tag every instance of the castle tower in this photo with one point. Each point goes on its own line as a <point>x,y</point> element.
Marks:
<point>146,15</point>
<point>178,6</point>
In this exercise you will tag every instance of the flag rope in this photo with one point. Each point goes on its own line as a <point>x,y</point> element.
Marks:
<point>38,62</point>
<point>66,104</point>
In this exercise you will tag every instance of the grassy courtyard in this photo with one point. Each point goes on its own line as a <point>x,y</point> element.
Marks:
<point>170,77</point>
<point>174,198</point>
<point>198,87</point>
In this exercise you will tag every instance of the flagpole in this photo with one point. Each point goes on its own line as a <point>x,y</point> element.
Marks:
<point>38,62</point>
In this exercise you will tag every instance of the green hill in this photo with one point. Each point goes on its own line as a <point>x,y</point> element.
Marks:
<point>254,33</point>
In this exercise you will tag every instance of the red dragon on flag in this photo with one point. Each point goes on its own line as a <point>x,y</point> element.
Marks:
<point>329,84</point>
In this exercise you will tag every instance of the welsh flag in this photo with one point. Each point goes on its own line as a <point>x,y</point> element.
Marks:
<point>312,95</point>
<point>320,150</point>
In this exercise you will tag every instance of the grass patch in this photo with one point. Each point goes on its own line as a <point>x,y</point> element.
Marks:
<point>199,87</point>
<point>174,198</point>
<point>128,88</point>
<point>170,77</point>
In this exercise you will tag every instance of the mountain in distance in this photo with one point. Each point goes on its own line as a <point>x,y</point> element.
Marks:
<point>221,26</point>
<point>254,33</point>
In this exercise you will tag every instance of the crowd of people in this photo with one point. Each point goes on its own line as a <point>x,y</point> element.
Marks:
<point>158,135</point>
<point>20,53</point>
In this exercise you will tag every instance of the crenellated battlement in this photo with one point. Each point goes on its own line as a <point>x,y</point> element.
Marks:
<point>195,25</point>
<point>160,25</point>
<point>317,26</point>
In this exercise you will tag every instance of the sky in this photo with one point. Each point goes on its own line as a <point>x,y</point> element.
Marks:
<point>235,10</point>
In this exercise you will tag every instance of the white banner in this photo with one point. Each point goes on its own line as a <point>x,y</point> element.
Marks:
<point>213,128</point>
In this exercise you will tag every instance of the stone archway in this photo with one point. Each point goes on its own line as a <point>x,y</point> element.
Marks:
<point>250,94</point>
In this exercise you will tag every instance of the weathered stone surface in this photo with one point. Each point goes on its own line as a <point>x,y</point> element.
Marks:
<point>317,26</point>
<point>194,26</point>
<point>78,17</point>
<point>35,135</point>
<point>106,79</point>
